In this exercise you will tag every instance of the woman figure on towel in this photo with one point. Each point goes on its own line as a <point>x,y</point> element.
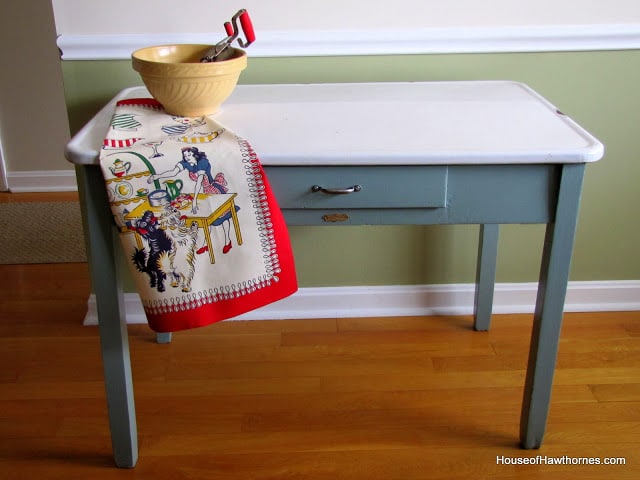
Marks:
<point>199,168</point>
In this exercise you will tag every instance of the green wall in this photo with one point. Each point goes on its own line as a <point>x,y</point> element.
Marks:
<point>597,89</point>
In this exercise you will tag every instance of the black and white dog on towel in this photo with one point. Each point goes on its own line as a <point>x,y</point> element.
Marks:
<point>164,247</point>
<point>159,244</point>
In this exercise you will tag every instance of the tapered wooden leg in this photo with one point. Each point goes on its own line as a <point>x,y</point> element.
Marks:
<point>485,276</point>
<point>114,341</point>
<point>552,288</point>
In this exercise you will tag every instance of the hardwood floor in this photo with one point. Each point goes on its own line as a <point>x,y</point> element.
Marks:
<point>378,398</point>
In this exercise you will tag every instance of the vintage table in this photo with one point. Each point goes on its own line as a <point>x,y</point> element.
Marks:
<point>484,153</point>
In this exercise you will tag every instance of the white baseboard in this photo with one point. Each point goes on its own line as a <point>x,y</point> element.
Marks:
<point>42,181</point>
<point>415,300</point>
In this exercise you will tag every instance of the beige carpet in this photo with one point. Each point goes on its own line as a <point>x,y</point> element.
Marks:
<point>41,232</point>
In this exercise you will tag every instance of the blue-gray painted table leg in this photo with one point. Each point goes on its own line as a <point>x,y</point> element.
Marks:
<point>114,341</point>
<point>163,337</point>
<point>552,289</point>
<point>485,276</point>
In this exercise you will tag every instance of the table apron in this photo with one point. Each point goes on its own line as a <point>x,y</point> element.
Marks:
<point>475,194</point>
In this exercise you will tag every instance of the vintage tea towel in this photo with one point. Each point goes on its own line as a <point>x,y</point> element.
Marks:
<point>200,227</point>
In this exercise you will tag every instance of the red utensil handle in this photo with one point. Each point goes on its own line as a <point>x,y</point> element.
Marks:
<point>228,28</point>
<point>247,27</point>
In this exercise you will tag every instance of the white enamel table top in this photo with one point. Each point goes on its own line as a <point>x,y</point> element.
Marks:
<point>426,123</point>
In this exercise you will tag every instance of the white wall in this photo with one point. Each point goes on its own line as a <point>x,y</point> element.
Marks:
<point>171,16</point>
<point>33,115</point>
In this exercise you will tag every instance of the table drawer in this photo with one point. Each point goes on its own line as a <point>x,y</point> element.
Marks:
<point>362,187</point>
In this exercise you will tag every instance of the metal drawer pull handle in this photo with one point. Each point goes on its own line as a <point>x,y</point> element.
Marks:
<point>336,191</point>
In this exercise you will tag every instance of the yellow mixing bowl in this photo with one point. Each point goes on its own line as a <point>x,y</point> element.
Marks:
<point>184,86</point>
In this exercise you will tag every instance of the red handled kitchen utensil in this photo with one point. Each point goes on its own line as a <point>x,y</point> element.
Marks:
<point>221,51</point>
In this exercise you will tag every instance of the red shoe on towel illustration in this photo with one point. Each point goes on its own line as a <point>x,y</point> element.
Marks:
<point>205,249</point>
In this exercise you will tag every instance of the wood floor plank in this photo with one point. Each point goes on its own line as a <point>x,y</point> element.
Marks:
<point>424,338</point>
<point>338,367</point>
<point>564,410</point>
<point>423,381</point>
<point>414,323</point>
<point>620,392</point>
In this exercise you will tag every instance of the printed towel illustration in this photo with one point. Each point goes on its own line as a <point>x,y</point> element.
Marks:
<point>200,228</point>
